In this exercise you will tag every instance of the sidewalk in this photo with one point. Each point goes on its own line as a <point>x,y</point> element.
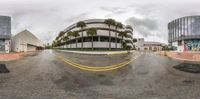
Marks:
<point>13,55</point>
<point>97,52</point>
<point>185,56</point>
<point>9,56</point>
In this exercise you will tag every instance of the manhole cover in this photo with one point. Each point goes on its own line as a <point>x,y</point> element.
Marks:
<point>188,67</point>
<point>3,69</point>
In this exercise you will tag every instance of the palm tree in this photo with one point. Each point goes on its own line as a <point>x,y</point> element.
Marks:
<point>66,38</point>
<point>92,32</point>
<point>53,44</point>
<point>61,33</point>
<point>57,37</point>
<point>134,40</point>
<point>81,24</point>
<point>70,34</point>
<point>109,22</point>
<point>59,43</point>
<point>118,25</point>
<point>75,34</point>
<point>124,44</point>
<point>123,34</point>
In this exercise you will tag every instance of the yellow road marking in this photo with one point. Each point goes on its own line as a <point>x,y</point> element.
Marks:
<point>92,68</point>
<point>89,69</point>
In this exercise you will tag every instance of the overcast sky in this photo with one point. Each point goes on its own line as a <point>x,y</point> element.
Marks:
<point>45,18</point>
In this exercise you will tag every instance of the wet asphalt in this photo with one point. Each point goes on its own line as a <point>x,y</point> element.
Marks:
<point>45,76</point>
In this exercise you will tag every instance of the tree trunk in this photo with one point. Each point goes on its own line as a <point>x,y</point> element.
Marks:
<point>92,43</point>
<point>82,39</point>
<point>116,38</point>
<point>70,44</point>
<point>76,42</point>
<point>66,44</point>
<point>109,39</point>
<point>121,41</point>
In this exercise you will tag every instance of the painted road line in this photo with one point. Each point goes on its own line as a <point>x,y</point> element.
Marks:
<point>103,69</point>
<point>91,68</point>
<point>94,67</point>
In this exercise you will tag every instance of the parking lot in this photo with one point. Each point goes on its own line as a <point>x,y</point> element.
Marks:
<point>60,75</point>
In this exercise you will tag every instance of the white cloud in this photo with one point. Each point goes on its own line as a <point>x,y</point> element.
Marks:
<point>45,18</point>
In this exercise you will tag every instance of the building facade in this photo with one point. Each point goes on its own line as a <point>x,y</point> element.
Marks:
<point>184,33</point>
<point>5,34</point>
<point>100,40</point>
<point>25,41</point>
<point>148,46</point>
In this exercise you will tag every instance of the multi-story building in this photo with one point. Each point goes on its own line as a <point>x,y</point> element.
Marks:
<point>5,34</point>
<point>148,46</point>
<point>102,39</point>
<point>184,33</point>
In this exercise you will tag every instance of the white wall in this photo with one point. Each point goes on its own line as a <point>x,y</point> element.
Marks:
<point>7,46</point>
<point>24,38</point>
<point>95,44</point>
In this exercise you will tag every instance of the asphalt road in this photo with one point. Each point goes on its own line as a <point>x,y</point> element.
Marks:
<point>45,76</point>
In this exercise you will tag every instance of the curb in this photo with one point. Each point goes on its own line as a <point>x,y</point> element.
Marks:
<point>96,53</point>
<point>182,59</point>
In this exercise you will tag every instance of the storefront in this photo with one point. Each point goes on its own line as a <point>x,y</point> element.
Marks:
<point>192,45</point>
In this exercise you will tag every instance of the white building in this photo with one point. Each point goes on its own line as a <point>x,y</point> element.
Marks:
<point>101,41</point>
<point>148,46</point>
<point>26,41</point>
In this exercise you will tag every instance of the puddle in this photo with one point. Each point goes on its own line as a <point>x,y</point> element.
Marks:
<point>188,67</point>
<point>3,69</point>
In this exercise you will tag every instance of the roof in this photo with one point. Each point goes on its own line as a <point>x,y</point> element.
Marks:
<point>27,37</point>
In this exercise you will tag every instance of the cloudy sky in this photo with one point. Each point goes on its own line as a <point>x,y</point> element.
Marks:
<point>45,18</point>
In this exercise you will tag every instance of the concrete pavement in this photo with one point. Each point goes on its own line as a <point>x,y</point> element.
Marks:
<point>15,55</point>
<point>108,63</point>
<point>185,56</point>
<point>45,76</point>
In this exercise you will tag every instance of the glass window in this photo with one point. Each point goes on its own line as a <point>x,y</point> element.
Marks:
<point>2,45</point>
<point>195,26</point>
<point>104,39</point>
<point>5,25</point>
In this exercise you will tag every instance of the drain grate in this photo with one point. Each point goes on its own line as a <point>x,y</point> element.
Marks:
<point>188,67</point>
<point>3,69</point>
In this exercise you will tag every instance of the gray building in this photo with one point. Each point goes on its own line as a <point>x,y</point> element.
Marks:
<point>184,33</point>
<point>5,34</point>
